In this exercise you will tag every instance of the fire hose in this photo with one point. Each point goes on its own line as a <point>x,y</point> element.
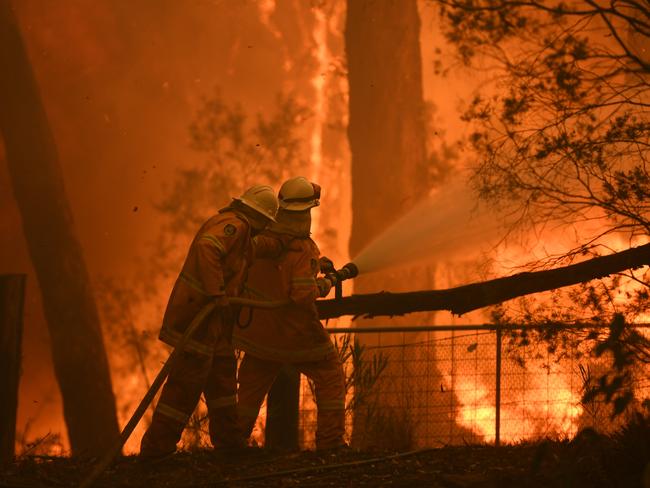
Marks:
<point>162,376</point>
<point>336,277</point>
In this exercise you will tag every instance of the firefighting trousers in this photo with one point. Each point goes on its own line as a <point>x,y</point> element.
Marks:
<point>257,375</point>
<point>191,375</point>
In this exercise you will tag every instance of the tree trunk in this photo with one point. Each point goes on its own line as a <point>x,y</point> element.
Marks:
<point>12,298</point>
<point>386,129</point>
<point>389,175</point>
<point>78,351</point>
<point>466,298</point>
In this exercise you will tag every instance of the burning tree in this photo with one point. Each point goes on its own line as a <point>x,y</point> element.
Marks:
<point>563,137</point>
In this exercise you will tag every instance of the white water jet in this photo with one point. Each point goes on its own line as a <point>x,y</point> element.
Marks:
<point>448,224</point>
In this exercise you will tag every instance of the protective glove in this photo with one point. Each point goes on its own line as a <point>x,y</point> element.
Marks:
<point>326,264</point>
<point>324,286</point>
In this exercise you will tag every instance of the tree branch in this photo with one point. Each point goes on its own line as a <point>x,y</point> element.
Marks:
<point>466,298</point>
<point>624,47</point>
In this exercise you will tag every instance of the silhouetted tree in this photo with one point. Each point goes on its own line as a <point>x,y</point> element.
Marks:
<point>78,351</point>
<point>566,135</point>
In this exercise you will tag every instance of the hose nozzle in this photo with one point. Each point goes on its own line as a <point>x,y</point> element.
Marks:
<point>347,272</point>
<point>338,276</point>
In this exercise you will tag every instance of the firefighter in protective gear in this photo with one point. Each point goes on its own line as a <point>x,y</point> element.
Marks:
<point>292,334</point>
<point>214,269</point>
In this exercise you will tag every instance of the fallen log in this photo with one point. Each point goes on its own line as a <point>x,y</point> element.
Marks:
<point>463,299</point>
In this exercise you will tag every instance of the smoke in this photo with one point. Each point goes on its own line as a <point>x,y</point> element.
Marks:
<point>448,224</point>
<point>121,82</point>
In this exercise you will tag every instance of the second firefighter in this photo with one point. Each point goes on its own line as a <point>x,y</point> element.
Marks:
<point>291,335</point>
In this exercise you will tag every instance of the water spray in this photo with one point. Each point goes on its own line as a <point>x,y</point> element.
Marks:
<point>449,224</point>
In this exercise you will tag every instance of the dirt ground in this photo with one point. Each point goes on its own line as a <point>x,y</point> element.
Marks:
<point>588,461</point>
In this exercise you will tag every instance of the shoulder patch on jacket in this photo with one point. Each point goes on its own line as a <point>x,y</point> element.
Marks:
<point>229,230</point>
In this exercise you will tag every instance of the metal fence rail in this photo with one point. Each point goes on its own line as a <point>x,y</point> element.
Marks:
<point>446,385</point>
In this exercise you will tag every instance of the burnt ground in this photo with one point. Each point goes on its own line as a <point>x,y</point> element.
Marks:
<point>589,460</point>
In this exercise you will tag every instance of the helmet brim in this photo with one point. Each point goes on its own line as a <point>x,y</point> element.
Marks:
<point>254,206</point>
<point>299,206</point>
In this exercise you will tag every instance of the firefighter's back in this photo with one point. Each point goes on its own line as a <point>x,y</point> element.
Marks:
<point>292,333</point>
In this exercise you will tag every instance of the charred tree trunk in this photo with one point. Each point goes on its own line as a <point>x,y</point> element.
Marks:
<point>12,298</point>
<point>466,298</point>
<point>80,361</point>
<point>389,170</point>
<point>387,128</point>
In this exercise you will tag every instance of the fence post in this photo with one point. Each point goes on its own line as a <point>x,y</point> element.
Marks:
<point>12,297</point>
<point>497,409</point>
<point>282,411</point>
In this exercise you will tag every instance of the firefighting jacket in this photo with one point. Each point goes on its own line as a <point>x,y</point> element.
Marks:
<point>292,333</point>
<point>216,264</point>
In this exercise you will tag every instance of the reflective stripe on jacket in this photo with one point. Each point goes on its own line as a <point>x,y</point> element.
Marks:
<point>292,333</point>
<point>216,264</point>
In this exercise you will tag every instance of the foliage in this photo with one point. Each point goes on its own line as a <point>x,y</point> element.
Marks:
<point>627,349</point>
<point>130,347</point>
<point>47,445</point>
<point>613,356</point>
<point>378,423</point>
<point>362,373</point>
<point>196,434</point>
<point>238,153</point>
<point>565,136</point>
<point>388,426</point>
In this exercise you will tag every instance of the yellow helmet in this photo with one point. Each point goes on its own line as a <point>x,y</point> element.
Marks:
<point>299,194</point>
<point>262,199</point>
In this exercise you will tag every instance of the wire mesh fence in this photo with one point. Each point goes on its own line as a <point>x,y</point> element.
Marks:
<point>468,384</point>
